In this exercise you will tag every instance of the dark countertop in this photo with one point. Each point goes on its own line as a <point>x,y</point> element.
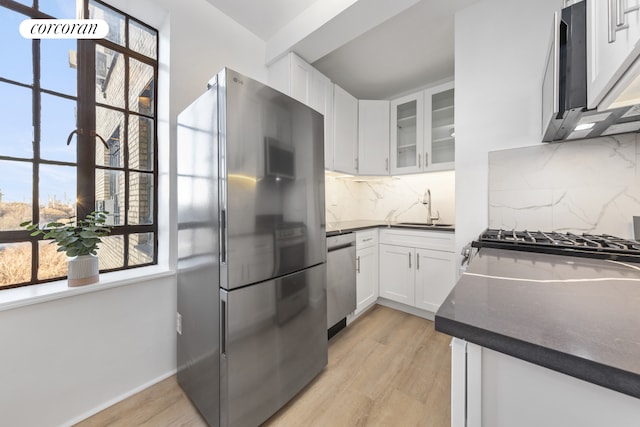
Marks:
<point>334,228</point>
<point>574,315</point>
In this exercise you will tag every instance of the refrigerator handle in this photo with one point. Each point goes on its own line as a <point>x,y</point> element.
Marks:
<point>223,236</point>
<point>223,327</point>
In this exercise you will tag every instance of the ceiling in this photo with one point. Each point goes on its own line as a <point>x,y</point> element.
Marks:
<point>262,17</point>
<point>413,49</point>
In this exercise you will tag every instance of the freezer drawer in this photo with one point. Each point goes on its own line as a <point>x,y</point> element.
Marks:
<point>273,342</point>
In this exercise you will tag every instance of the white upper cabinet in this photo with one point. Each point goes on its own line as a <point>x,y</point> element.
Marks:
<point>345,135</point>
<point>407,127</point>
<point>321,99</point>
<point>373,137</point>
<point>295,77</point>
<point>613,36</point>
<point>422,131</point>
<point>439,135</point>
<point>301,79</point>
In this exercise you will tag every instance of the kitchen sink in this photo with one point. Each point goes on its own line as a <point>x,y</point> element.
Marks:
<point>424,224</point>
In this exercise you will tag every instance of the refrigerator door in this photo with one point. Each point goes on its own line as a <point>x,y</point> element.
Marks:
<point>198,294</point>
<point>274,341</point>
<point>272,194</point>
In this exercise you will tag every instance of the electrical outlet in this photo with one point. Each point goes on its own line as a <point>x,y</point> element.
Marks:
<point>179,323</point>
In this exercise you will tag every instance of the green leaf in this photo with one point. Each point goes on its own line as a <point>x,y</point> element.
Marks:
<point>74,236</point>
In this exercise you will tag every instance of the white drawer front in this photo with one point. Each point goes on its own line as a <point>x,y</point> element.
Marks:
<point>436,240</point>
<point>366,238</point>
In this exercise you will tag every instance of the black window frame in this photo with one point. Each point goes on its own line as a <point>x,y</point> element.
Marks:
<point>86,138</point>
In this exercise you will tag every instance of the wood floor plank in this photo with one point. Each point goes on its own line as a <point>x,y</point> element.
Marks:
<point>388,368</point>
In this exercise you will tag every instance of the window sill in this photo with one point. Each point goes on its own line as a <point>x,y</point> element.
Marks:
<point>35,294</point>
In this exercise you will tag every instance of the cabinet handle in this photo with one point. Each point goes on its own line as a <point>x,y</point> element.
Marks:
<point>409,259</point>
<point>417,261</point>
<point>426,160</point>
<point>355,163</point>
<point>386,167</point>
<point>367,240</point>
<point>617,19</point>
<point>358,264</point>
<point>419,160</point>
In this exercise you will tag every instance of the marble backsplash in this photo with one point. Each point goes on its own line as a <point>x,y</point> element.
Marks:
<point>578,186</point>
<point>395,199</point>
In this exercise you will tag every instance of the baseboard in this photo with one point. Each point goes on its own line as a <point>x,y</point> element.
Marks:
<point>117,399</point>
<point>406,308</point>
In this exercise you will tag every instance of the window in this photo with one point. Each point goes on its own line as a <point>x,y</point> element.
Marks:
<point>78,121</point>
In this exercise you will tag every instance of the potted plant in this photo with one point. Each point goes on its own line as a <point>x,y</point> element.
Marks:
<point>79,239</point>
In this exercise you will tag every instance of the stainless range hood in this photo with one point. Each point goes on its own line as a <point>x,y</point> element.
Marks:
<point>565,115</point>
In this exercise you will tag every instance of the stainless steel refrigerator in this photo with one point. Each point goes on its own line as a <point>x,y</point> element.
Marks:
<point>251,250</point>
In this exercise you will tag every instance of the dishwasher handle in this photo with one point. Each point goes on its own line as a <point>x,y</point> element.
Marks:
<point>338,247</point>
<point>341,241</point>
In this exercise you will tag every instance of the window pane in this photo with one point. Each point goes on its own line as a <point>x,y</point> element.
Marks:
<point>109,77</point>
<point>110,195</point>
<point>57,122</point>
<point>141,94</point>
<point>142,39</point>
<point>15,50</point>
<point>140,143</point>
<point>16,137</point>
<point>111,252</point>
<point>59,9</point>
<point>140,248</point>
<point>57,192</point>
<point>15,194</point>
<point>15,263</point>
<point>51,263</point>
<point>113,18</point>
<point>58,64</point>
<point>110,126</point>
<point>141,198</point>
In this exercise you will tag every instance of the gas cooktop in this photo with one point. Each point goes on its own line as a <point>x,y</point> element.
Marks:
<point>600,246</point>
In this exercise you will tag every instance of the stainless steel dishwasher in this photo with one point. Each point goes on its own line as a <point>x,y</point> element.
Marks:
<point>341,280</point>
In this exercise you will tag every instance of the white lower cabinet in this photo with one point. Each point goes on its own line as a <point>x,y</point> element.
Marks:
<point>417,268</point>
<point>435,276</point>
<point>366,270</point>
<point>489,388</point>
<point>397,277</point>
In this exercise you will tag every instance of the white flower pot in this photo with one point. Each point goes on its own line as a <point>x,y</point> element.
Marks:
<point>83,270</point>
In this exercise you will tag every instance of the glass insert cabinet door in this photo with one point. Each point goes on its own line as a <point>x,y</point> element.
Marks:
<point>407,127</point>
<point>439,124</point>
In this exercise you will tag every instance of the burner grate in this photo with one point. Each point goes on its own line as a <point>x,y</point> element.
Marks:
<point>590,245</point>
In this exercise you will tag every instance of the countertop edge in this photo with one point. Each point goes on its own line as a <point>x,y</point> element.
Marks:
<point>587,370</point>
<point>384,225</point>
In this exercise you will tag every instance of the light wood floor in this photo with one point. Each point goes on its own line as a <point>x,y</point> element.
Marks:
<point>388,368</point>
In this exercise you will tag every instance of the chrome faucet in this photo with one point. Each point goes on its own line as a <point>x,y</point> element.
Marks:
<point>426,200</point>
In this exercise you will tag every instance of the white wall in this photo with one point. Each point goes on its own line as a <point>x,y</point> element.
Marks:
<point>65,359</point>
<point>500,51</point>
